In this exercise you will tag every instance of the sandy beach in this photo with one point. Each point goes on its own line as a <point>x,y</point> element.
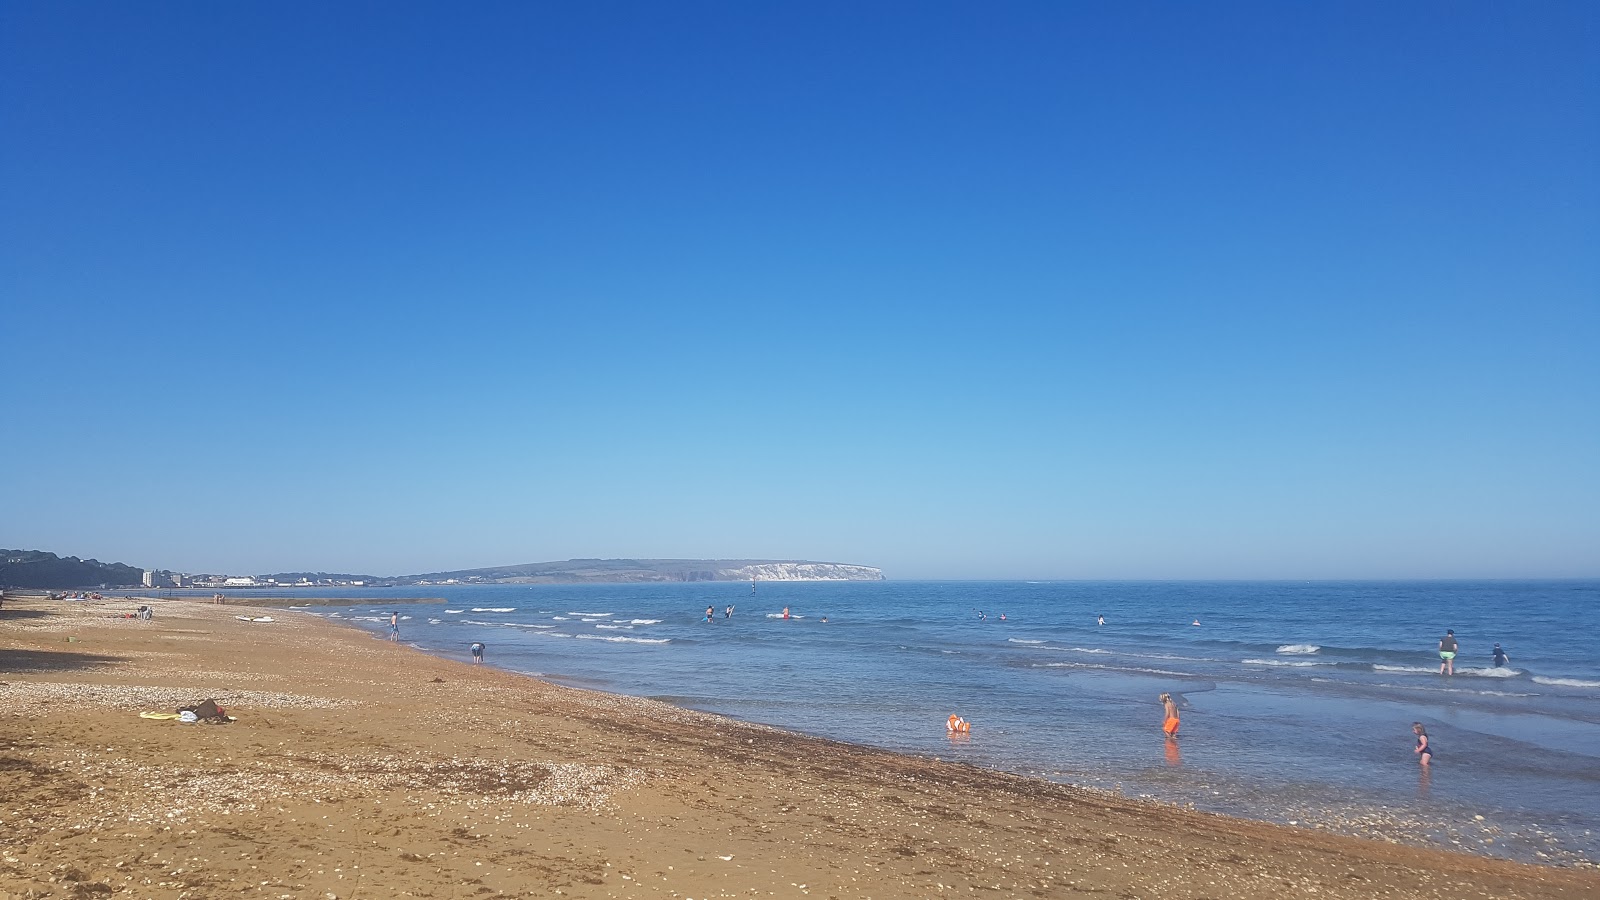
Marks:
<point>362,768</point>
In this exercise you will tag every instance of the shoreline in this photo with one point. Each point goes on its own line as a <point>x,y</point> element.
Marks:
<point>359,762</point>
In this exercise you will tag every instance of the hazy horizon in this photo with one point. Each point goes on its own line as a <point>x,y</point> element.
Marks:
<point>1037,292</point>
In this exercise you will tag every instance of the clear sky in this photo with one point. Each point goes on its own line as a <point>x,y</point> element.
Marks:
<point>1032,290</point>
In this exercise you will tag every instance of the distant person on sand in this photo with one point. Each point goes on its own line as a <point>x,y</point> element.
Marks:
<point>1424,750</point>
<point>394,626</point>
<point>1500,657</point>
<point>477,652</point>
<point>1447,653</point>
<point>1170,722</point>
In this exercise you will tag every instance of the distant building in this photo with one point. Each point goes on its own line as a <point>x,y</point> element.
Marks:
<point>179,580</point>
<point>151,578</point>
<point>240,582</point>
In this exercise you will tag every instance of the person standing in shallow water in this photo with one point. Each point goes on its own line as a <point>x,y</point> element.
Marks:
<point>394,626</point>
<point>1169,723</point>
<point>1447,653</point>
<point>477,652</point>
<point>1424,750</point>
<point>1500,657</point>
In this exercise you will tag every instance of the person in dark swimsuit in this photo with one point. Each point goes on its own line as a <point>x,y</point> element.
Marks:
<point>1500,657</point>
<point>1424,750</point>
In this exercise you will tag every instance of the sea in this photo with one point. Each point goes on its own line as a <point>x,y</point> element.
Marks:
<point>1297,698</point>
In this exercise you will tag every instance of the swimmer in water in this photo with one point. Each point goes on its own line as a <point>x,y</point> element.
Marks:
<point>1424,750</point>
<point>1196,622</point>
<point>786,612</point>
<point>728,613</point>
<point>1102,620</point>
<point>1169,724</point>
<point>1002,617</point>
<point>1500,657</point>
<point>824,620</point>
<point>709,613</point>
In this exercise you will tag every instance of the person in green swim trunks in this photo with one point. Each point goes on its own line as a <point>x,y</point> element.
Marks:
<point>1447,653</point>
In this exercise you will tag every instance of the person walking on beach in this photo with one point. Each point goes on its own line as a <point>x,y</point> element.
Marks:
<point>1447,653</point>
<point>477,649</point>
<point>394,626</point>
<point>1424,750</point>
<point>1500,657</point>
<point>1170,708</point>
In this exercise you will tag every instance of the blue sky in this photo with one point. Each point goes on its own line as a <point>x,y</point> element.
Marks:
<point>1046,290</point>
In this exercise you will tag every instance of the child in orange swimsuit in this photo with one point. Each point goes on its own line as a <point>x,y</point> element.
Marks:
<point>1170,726</point>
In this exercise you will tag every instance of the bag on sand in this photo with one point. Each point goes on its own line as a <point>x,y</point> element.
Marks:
<point>206,710</point>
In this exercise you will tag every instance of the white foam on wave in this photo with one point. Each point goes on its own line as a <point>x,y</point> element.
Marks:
<point>645,622</point>
<point>1082,649</point>
<point>1297,663</point>
<point>1299,649</point>
<point>1379,667</point>
<point>523,625</point>
<point>494,609</point>
<point>455,610</point>
<point>1073,665</point>
<point>620,639</point>
<point>625,627</point>
<point>435,621</point>
<point>559,619</point>
<point>1022,641</point>
<point>480,622</point>
<point>1566,682</point>
<point>584,615</point>
<point>1493,672</point>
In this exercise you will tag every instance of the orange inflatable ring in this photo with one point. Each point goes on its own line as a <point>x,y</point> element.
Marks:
<point>958,725</point>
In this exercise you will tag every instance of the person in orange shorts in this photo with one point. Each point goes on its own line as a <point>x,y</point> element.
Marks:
<point>1170,726</point>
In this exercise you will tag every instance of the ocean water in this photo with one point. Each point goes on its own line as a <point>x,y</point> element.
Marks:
<point>1297,698</point>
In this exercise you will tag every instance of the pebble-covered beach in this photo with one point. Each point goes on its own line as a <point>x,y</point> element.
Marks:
<point>355,767</point>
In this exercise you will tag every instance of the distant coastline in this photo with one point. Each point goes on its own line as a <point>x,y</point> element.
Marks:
<point>38,569</point>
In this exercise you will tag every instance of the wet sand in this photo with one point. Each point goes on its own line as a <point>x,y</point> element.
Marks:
<point>363,768</point>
